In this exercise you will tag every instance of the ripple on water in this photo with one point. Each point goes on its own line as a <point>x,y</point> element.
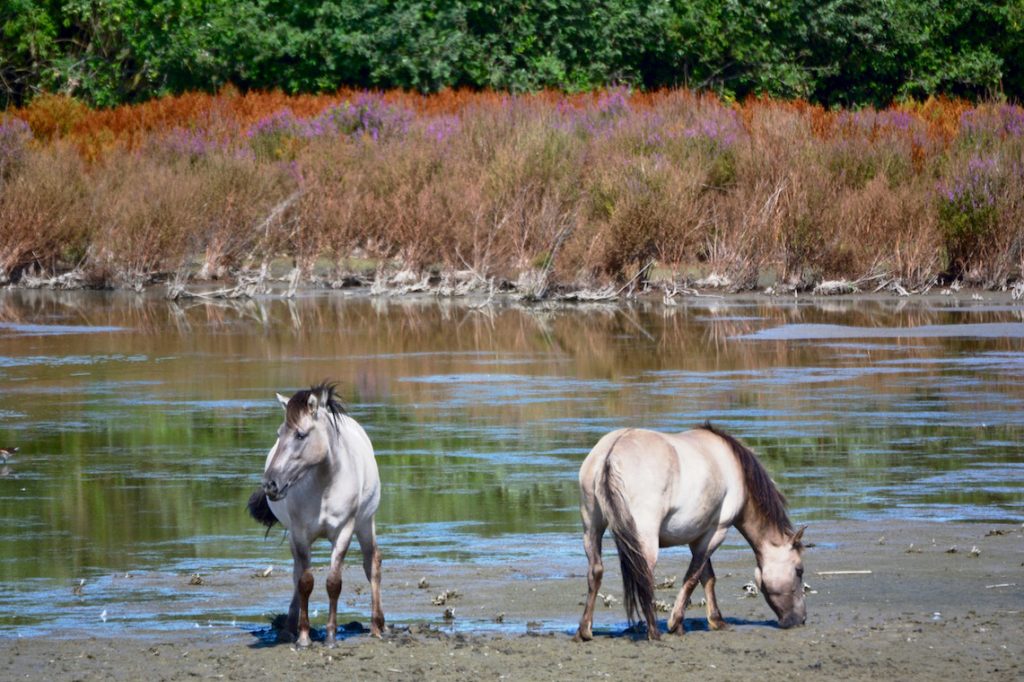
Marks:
<point>809,332</point>
<point>56,329</point>
<point>140,448</point>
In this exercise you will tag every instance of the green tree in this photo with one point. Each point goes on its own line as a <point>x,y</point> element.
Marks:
<point>837,52</point>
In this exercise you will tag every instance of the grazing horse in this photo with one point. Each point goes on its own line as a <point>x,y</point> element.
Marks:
<point>660,490</point>
<point>320,480</point>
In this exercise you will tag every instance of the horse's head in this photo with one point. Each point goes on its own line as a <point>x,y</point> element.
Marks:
<point>303,440</point>
<point>780,577</point>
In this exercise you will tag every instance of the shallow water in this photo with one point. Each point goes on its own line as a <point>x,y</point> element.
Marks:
<point>143,425</point>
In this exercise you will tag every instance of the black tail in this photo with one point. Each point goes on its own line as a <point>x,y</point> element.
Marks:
<point>259,509</point>
<point>637,574</point>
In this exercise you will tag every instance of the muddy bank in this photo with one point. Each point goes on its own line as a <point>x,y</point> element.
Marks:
<point>923,612</point>
<point>467,289</point>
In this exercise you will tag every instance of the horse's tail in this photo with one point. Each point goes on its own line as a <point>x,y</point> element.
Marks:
<point>259,509</point>
<point>637,574</point>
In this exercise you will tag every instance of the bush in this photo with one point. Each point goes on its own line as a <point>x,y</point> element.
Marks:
<point>588,188</point>
<point>968,211</point>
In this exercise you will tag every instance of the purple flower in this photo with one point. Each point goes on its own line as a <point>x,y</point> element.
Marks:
<point>443,127</point>
<point>609,114</point>
<point>718,126</point>
<point>974,187</point>
<point>1005,120</point>
<point>613,103</point>
<point>193,143</point>
<point>281,122</point>
<point>369,115</point>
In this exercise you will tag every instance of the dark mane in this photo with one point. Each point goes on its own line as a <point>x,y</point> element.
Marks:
<point>760,487</point>
<point>298,404</point>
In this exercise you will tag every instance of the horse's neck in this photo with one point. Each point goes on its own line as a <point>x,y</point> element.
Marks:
<point>344,449</point>
<point>339,458</point>
<point>759,533</point>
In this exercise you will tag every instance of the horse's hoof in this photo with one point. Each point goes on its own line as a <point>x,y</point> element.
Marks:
<point>719,625</point>
<point>304,641</point>
<point>582,636</point>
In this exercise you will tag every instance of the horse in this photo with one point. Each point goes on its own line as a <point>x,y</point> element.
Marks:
<point>320,480</point>
<point>657,490</point>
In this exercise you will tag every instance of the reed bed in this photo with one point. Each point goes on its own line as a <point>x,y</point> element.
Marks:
<point>576,191</point>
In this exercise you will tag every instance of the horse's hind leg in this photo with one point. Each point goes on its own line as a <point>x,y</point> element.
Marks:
<point>338,553</point>
<point>594,526</point>
<point>371,566</point>
<point>707,580</point>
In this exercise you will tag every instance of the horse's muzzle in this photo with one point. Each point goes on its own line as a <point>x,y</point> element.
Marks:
<point>791,620</point>
<point>273,490</point>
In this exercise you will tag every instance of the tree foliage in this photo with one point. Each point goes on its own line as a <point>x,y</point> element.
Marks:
<point>844,52</point>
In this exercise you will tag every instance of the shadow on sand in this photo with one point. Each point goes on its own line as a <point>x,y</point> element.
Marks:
<point>638,631</point>
<point>276,634</point>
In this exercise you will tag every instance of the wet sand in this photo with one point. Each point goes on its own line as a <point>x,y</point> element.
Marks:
<point>923,614</point>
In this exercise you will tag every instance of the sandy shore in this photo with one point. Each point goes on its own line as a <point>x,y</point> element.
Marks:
<point>926,614</point>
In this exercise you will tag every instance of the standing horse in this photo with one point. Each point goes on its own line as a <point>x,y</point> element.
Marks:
<point>660,490</point>
<point>320,480</point>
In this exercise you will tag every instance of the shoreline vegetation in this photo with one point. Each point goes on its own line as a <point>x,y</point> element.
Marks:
<point>549,195</point>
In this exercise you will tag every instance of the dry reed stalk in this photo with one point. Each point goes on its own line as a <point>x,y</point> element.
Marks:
<point>580,190</point>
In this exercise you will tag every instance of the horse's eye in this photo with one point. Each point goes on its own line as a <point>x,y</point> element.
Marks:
<point>300,435</point>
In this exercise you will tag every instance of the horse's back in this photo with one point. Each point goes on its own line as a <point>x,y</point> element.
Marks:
<point>643,463</point>
<point>680,484</point>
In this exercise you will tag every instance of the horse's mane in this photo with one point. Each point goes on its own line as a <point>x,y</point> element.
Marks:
<point>767,499</point>
<point>298,404</point>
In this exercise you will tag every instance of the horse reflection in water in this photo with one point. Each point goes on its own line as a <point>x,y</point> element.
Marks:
<point>320,481</point>
<point>660,490</point>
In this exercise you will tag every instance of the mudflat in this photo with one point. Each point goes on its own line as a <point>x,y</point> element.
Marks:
<point>941,600</point>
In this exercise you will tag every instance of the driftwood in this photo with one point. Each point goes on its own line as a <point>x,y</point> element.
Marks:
<point>589,295</point>
<point>246,286</point>
<point>1017,292</point>
<point>843,286</point>
<point>74,279</point>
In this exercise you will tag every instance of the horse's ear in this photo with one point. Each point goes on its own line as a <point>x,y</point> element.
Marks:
<point>798,535</point>
<point>281,399</point>
<point>313,403</point>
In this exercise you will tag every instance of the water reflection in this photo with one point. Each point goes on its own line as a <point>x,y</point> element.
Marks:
<point>143,423</point>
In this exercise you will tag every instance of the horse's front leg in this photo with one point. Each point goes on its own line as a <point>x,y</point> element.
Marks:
<point>338,553</point>
<point>700,551</point>
<point>707,581</point>
<point>298,612</point>
<point>592,533</point>
<point>367,534</point>
<point>693,571</point>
